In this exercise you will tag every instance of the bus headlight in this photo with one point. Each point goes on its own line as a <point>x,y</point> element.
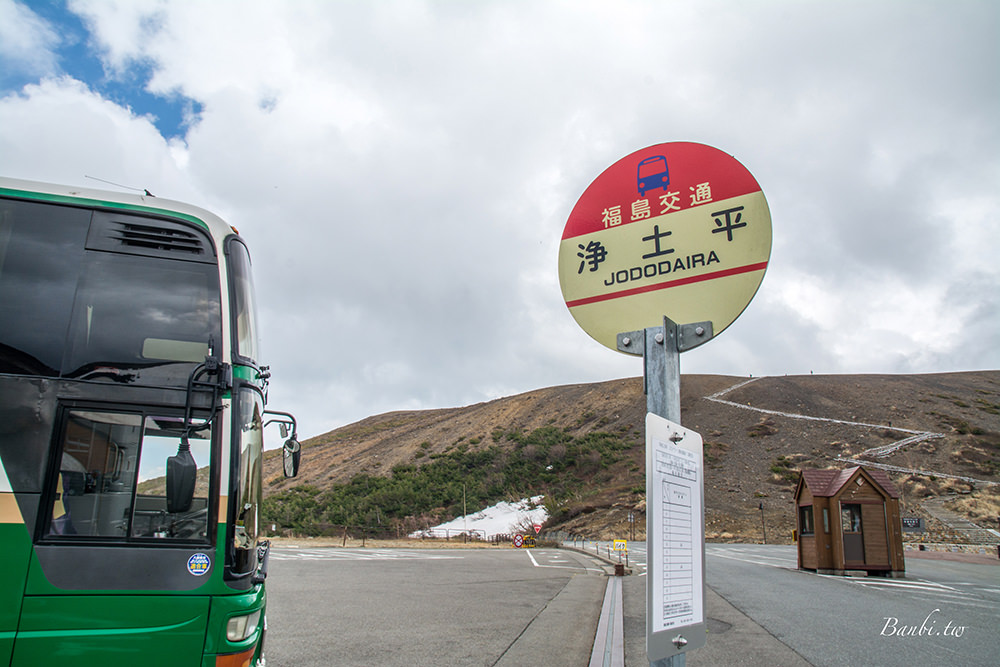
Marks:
<point>241,627</point>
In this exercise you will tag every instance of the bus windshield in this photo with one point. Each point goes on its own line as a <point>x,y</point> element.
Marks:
<point>82,295</point>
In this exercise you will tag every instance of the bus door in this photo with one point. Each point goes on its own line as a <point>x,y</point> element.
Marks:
<point>116,570</point>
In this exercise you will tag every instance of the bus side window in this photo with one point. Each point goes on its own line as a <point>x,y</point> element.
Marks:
<point>94,483</point>
<point>41,249</point>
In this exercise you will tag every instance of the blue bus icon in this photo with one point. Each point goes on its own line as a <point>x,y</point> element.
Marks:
<point>652,173</point>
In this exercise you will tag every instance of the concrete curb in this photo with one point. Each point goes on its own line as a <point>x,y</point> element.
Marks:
<point>609,640</point>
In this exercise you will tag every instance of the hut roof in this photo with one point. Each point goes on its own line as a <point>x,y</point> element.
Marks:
<point>826,483</point>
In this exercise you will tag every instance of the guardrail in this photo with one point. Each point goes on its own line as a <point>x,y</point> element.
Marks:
<point>449,533</point>
<point>984,549</point>
<point>602,549</point>
<point>365,533</point>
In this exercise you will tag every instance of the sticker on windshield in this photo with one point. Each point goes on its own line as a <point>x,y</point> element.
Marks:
<point>198,564</point>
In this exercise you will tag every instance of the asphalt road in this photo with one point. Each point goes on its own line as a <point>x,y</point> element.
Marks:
<point>520,607</point>
<point>389,607</point>
<point>942,612</point>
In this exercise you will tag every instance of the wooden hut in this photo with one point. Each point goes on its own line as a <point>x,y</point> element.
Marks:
<point>848,522</point>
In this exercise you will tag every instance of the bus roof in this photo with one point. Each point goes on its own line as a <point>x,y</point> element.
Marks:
<point>67,194</point>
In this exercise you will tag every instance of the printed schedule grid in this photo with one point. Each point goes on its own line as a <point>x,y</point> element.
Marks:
<point>677,537</point>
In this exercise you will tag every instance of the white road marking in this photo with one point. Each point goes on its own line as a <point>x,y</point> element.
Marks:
<point>357,554</point>
<point>561,567</point>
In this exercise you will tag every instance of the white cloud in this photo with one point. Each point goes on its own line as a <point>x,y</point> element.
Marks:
<point>403,172</point>
<point>26,42</point>
<point>65,132</point>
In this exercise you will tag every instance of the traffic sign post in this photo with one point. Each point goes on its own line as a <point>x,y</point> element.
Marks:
<point>676,232</point>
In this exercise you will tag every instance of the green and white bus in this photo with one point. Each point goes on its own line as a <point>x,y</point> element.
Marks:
<point>131,434</point>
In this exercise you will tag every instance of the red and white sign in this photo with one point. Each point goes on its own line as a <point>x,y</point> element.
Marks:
<point>537,527</point>
<point>678,229</point>
<point>518,541</point>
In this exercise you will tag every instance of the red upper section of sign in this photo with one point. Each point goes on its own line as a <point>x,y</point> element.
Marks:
<point>669,177</point>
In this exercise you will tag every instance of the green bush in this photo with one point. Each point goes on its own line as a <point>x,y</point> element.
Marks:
<point>547,461</point>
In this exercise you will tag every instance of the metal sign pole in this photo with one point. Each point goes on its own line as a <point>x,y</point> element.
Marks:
<point>660,348</point>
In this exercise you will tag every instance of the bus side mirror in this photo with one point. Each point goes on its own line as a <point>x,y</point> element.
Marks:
<point>290,453</point>
<point>182,472</point>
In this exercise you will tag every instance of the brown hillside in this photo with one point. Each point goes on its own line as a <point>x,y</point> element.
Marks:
<point>752,455</point>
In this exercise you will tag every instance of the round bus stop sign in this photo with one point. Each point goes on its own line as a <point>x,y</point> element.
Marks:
<point>680,230</point>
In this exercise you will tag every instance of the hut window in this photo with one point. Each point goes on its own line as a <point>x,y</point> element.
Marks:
<point>806,520</point>
<point>826,520</point>
<point>850,518</point>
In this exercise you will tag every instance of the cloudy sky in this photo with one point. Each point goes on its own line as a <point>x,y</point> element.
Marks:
<point>403,171</point>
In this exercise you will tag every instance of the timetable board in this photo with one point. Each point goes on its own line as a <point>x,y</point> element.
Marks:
<point>675,534</point>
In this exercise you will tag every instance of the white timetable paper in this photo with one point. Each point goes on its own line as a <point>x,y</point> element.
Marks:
<point>676,561</point>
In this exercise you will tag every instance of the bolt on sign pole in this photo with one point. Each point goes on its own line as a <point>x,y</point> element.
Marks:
<point>660,349</point>
<point>674,232</point>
